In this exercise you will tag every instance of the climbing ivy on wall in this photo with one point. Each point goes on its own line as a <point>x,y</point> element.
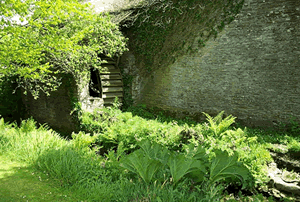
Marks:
<point>165,30</point>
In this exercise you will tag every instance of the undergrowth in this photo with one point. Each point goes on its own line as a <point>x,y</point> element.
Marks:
<point>119,156</point>
<point>215,134</point>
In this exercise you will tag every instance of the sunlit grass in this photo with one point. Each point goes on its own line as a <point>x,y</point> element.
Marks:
<point>20,182</point>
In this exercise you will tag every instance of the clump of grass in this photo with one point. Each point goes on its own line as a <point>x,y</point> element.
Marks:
<point>27,142</point>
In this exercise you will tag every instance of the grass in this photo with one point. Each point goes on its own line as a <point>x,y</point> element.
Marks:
<point>20,182</point>
<point>87,167</point>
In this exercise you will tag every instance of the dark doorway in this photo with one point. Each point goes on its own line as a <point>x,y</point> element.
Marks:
<point>95,88</point>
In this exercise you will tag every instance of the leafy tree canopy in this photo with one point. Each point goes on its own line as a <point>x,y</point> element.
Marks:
<point>53,37</point>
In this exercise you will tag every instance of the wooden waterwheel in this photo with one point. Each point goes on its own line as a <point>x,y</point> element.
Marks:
<point>107,83</point>
<point>111,82</point>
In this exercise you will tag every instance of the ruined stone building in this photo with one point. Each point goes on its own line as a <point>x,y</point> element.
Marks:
<point>250,69</point>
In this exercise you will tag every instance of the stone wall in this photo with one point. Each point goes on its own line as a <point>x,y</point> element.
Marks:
<point>88,103</point>
<point>251,70</point>
<point>54,110</point>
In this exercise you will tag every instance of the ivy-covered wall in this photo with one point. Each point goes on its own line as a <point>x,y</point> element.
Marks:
<point>250,67</point>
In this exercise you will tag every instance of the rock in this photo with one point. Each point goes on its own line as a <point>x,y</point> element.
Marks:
<point>286,160</point>
<point>290,177</point>
<point>279,148</point>
<point>282,183</point>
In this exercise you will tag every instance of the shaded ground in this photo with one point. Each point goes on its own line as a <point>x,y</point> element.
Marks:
<point>284,173</point>
<point>20,183</point>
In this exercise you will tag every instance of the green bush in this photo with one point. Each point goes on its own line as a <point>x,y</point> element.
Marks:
<point>158,156</point>
<point>217,135</point>
<point>112,127</point>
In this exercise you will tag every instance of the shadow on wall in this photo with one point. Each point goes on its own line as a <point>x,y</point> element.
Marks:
<point>12,108</point>
<point>55,110</point>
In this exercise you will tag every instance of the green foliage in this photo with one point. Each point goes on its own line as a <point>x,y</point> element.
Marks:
<point>293,127</point>
<point>218,136</point>
<point>82,141</point>
<point>180,166</point>
<point>217,125</point>
<point>279,136</point>
<point>113,127</point>
<point>69,165</point>
<point>81,170</point>
<point>224,166</point>
<point>59,36</point>
<point>294,145</point>
<point>155,169</point>
<point>141,164</point>
<point>155,151</point>
<point>113,158</point>
<point>141,111</point>
<point>146,161</point>
<point>27,141</point>
<point>158,114</point>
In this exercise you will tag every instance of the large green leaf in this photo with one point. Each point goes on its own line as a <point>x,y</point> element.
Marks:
<point>224,166</point>
<point>141,164</point>
<point>155,151</point>
<point>146,161</point>
<point>200,166</point>
<point>180,165</point>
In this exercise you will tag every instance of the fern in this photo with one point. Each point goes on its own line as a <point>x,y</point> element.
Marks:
<point>82,140</point>
<point>217,125</point>
<point>113,157</point>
